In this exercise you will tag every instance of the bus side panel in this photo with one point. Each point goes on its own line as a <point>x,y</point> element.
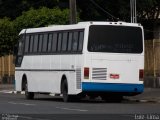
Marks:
<point>44,74</point>
<point>18,80</point>
<point>47,76</point>
<point>22,70</point>
<point>73,63</point>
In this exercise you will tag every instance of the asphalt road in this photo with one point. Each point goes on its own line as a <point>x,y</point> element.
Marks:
<point>45,107</point>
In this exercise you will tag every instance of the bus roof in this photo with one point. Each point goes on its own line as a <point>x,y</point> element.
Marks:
<point>80,25</point>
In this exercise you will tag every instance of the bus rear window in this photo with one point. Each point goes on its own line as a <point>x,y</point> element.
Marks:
<point>115,39</point>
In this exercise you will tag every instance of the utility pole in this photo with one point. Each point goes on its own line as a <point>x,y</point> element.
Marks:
<point>133,11</point>
<point>72,5</point>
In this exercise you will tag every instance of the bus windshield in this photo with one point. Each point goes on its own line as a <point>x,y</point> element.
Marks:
<point>115,39</point>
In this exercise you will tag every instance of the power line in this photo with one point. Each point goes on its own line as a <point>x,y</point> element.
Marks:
<point>104,10</point>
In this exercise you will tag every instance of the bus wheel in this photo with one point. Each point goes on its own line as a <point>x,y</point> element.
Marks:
<point>64,88</point>
<point>28,95</point>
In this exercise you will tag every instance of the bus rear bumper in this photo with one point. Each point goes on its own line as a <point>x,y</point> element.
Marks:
<point>127,89</point>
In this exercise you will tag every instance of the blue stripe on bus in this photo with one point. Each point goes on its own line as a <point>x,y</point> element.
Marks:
<point>111,87</point>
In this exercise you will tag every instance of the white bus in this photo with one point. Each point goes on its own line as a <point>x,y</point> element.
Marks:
<point>103,59</point>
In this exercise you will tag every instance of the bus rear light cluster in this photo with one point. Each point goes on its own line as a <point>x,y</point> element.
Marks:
<point>141,74</point>
<point>86,73</point>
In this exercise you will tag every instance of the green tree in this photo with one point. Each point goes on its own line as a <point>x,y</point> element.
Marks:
<point>7,36</point>
<point>41,17</point>
<point>148,9</point>
<point>14,8</point>
<point>112,9</point>
<point>9,30</point>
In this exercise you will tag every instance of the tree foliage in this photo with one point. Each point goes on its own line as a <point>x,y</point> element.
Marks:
<point>7,36</point>
<point>41,17</point>
<point>14,8</point>
<point>32,18</point>
<point>23,14</point>
<point>113,9</point>
<point>148,9</point>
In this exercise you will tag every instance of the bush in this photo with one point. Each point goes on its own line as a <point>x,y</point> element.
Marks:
<point>9,30</point>
<point>7,36</point>
<point>41,17</point>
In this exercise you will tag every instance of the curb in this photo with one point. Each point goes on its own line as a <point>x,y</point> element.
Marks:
<point>23,92</point>
<point>144,101</point>
<point>18,92</point>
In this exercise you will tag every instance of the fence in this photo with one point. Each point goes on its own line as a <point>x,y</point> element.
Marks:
<point>7,69</point>
<point>152,57</point>
<point>152,63</point>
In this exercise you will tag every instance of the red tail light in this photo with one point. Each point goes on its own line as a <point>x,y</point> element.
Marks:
<point>86,73</point>
<point>141,74</point>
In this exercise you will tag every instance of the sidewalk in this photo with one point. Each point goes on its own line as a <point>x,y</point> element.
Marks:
<point>7,87</point>
<point>149,94</point>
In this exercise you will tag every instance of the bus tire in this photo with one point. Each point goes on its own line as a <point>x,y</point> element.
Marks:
<point>64,88</point>
<point>28,95</point>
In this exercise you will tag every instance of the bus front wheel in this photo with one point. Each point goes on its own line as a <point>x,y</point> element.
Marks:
<point>28,95</point>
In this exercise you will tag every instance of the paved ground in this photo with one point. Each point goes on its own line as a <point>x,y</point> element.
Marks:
<point>44,107</point>
<point>149,94</point>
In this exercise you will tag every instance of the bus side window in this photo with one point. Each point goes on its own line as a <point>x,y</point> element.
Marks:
<point>45,41</point>
<point>35,44</point>
<point>54,42</point>
<point>81,38</point>
<point>50,37</point>
<point>64,41</point>
<point>27,44</point>
<point>59,41</point>
<point>69,48</point>
<point>31,44</point>
<point>75,41</point>
<point>40,43</point>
